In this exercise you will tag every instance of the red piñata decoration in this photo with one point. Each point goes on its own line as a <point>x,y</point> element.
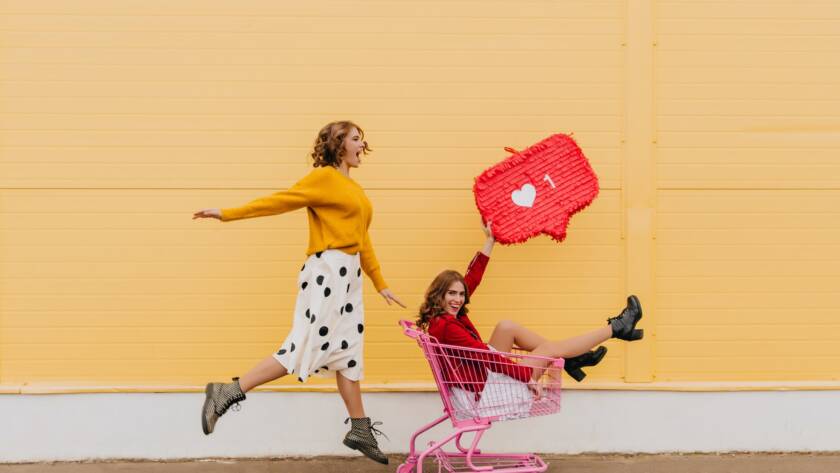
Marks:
<point>536,190</point>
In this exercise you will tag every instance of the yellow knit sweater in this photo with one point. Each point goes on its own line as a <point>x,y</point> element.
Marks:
<point>339,215</point>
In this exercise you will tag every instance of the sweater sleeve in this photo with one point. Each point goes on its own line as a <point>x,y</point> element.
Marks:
<point>454,334</point>
<point>370,264</point>
<point>475,271</point>
<point>307,192</point>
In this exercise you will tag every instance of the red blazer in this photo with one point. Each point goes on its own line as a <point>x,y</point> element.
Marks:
<point>470,368</point>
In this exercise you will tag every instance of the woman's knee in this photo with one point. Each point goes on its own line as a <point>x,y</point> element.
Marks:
<point>507,326</point>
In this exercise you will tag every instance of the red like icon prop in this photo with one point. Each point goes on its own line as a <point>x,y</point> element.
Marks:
<point>536,190</point>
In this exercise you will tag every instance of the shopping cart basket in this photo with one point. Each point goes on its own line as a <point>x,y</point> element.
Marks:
<point>477,388</point>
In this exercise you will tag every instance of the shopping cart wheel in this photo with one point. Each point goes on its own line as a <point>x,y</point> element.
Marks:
<point>405,468</point>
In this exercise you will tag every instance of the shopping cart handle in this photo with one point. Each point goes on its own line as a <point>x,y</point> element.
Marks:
<point>410,329</point>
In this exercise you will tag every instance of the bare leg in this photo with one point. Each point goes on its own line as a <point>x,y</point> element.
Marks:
<point>266,370</point>
<point>351,393</point>
<point>574,346</point>
<point>507,333</point>
<point>567,348</point>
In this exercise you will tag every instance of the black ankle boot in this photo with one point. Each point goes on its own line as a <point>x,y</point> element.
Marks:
<point>361,438</point>
<point>624,324</point>
<point>573,365</point>
<point>218,397</point>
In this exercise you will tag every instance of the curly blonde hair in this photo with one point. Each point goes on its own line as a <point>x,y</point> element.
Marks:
<point>433,300</point>
<point>329,145</point>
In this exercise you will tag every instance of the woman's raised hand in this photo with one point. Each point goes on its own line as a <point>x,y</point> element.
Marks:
<point>389,296</point>
<point>490,241</point>
<point>208,213</point>
<point>488,231</point>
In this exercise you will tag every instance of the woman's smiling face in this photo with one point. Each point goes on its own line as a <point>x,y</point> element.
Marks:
<point>453,298</point>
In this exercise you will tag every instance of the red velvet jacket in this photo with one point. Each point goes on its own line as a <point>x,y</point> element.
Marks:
<point>470,368</point>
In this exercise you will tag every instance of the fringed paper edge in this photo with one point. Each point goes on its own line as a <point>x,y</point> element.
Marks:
<point>515,160</point>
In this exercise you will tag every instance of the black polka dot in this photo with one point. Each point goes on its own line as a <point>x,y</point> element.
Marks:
<point>307,314</point>
<point>316,371</point>
<point>303,267</point>
<point>303,286</point>
<point>341,311</point>
<point>324,331</point>
<point>361,328</point>
<point>348,307</point>
<point>282,351</point>
<point>325,346</point>
<point>324,368</point>
<point>318,254</point>
<point>320,280</point>
<point>342,271</point>
<point>312,320</point>
<point>299,379</point>
<point>348,288</point>
<point>292,348</point>
<point>359,272</point>
<point>344,344</point>
<point>351,363</point>
<point>327,292</point>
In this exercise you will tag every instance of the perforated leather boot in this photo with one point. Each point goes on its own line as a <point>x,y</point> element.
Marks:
<point>217,400</point>
<point>361,438</point>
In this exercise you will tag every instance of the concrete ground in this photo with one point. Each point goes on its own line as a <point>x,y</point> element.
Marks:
<point>693,463</point>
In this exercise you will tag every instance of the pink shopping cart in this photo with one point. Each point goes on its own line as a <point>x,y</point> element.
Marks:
<point>479,387</point>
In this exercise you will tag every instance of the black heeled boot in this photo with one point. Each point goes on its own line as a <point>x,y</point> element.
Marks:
<point>573,365</point>
<point>624,324</point>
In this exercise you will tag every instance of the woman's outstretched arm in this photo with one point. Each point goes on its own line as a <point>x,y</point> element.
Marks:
<point>307,192</point>
<point>475,270</point>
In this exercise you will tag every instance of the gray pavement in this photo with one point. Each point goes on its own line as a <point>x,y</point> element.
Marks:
<point>691,463</point>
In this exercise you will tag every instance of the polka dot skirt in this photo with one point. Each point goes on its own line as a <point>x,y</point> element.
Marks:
<point>328,328</point>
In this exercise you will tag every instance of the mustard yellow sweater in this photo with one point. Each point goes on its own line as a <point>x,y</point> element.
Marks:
<point>339,215</point>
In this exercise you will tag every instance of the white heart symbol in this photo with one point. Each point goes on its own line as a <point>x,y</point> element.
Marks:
<point>525,196</point>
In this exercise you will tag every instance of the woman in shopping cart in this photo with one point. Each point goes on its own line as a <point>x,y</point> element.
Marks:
<point>443,315</point>
<point>327,329</point>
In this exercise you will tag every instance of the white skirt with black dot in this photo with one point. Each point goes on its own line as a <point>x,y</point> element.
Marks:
<point>328,328</point>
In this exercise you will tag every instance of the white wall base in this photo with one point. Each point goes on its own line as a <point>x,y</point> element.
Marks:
<point>167,426</point>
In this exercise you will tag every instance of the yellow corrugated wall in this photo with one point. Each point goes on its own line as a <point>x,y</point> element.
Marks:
<point>748,234</point>
<point>713,127</point>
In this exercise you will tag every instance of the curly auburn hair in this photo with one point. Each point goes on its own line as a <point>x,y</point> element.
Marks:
<point>329,145</point>
<point>433,301</point>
